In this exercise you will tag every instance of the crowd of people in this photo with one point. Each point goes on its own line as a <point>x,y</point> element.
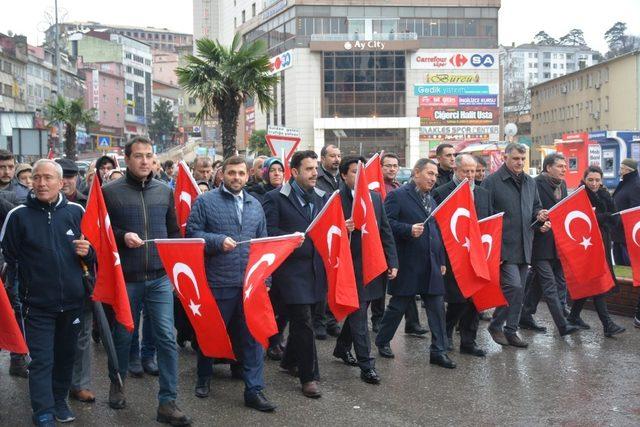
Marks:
<point>41,207</point>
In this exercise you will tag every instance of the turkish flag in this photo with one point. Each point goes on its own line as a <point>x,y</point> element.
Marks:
<point>374,262</point>
<point>631,223</point>
<point>110,286</point>
<point>579,245</point>
<point>373,169</point>
<point>183,259</point>
<point>330,237</point>
<point>11,337</point>
<point>185,192</point>
<point>458,222</point>
<point>490,295</point>
<point>265,255</point>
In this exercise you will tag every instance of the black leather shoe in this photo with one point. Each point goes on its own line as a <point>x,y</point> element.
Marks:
<point>370,376</point>
<point>116,396</point>
<point>532,326</point>
<point>346,357</point>
<point>203,387</point>
<point>385,351</point>
<point>334,331</point>
<point>568,330</point>
<point>18,367</point>
<point>442,360</point>
<point>416,330</point>
<point>498,337</point>
<point>321,337</point>
<point>578,322</point>
<point>516,341</point>
<point>473,350</point>
<point>150,367</point>
<point>135,368</point>
<point>260,402</point>
<point>274,352</point>
<point>613,329</point>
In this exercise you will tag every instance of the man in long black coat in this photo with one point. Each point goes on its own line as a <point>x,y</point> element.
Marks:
<point>301,280</point>
<point>459,308</point>
<point>515,193</point>
<point>548,277</point>
<point>421,262</point>
<point>355,329</point>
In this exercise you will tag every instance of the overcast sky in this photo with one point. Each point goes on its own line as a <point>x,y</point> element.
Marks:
<point>519,20</point>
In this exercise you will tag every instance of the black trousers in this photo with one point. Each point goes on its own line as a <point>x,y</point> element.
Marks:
<point>356,331</point>
<point>468,317</point>
<point>323,318</point>
<point>411,318</point>
<point>600,304</point>
<point>301,345</point>
<point>51,337</point>
<point>282,318</point>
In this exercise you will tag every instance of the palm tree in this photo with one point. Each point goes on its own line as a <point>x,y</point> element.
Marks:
<point>72,113</point>
<point>223,78</point>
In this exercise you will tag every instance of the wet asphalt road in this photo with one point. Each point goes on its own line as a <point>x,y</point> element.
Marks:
<point>581,380</point>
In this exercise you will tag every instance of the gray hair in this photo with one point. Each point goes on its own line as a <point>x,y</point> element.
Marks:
<point>42,162</point>
<point>205,160</point>
<point>520,148</point>
<point>461,158</point>
<point>255,161</point>
<point>422,163</point>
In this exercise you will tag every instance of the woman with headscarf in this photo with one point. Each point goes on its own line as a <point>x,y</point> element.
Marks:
<point>272,175</point>
<point>604,208</point>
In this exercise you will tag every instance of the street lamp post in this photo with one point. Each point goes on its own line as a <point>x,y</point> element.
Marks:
<point>58,70</point>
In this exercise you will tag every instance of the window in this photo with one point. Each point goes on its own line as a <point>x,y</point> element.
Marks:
<point>606,103</point>
<point>243,16</point>
<point>253,10</point>
<point>235,22</point>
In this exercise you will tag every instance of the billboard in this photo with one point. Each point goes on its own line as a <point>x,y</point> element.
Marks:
<point>281,62</point>
<point>458,101</point>
<point>461,59</point>
<point>451,78</point>
<point>431,116</point>
<point>438,89</point>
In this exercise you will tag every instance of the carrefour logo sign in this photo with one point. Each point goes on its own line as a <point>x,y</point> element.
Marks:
<point>431,59</point>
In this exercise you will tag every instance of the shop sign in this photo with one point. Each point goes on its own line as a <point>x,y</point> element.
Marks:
<point>448,78</point>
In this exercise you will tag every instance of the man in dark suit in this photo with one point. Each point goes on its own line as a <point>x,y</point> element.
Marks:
<point>515,193</point>
<point>459,308</point>
<point>355,329</point>
<point>548,277</point>
<point>421,262</point>
<point>328,181</point>
<point>301,280</point>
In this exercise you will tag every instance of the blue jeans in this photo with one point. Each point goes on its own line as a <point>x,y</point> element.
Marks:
<point>248,351</point>
<point>157,296</point>
<point>147,350</point>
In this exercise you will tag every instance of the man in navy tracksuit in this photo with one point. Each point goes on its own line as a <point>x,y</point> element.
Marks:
<point>43,246</point>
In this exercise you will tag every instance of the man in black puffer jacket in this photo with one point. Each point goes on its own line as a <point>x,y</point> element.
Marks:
<point>141,209</point>
<point>42,245</point>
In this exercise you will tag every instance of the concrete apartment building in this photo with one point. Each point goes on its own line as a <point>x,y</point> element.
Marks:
<point>603,97</point>
<point>161,39</point>
<point>371,77</point>
<point>96,47</point>
<point>13,73</point>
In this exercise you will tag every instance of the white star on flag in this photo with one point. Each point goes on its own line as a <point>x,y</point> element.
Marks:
<point>586,242</point>
<point>116,255</point>
<point>247,293</point>
<point>467,244</point>
<point>195,308</point>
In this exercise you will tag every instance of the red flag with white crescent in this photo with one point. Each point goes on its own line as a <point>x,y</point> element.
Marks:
<point>11,337</point>
<point>331,239</point>
<point>185,193</point>
<point>374,263</point>
<point>110,286</point>
<point>490,295</point>
<point>265,256</point>
<point>631,223</point>
<point>580,247</point>
<point>183,260</point>
<point>375,178</point>
<point>458,222</point>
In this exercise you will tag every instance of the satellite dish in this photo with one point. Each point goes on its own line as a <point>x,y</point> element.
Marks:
<point>510,129</point>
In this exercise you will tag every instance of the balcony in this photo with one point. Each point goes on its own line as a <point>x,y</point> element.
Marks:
<point>357,36</point>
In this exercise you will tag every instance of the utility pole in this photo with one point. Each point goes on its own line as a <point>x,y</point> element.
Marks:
<point>58,72</point>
